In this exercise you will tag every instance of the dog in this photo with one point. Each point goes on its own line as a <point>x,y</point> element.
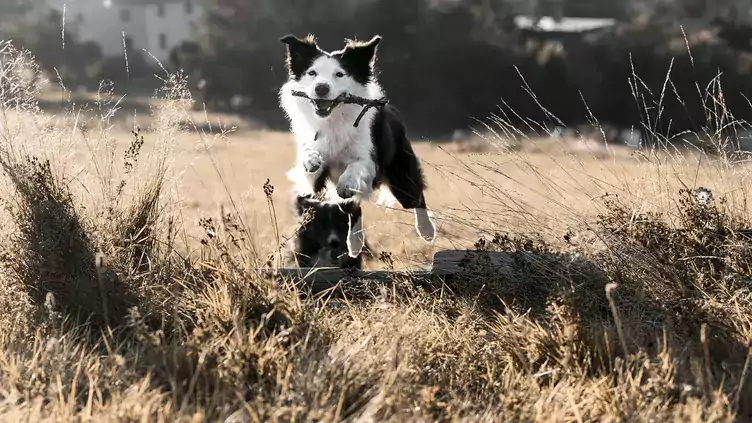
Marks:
<point>321,239</point>
<point>349,161</point>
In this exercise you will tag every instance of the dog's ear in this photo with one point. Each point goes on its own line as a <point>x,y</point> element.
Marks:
<point>358,58</point>
<point>300,54</point>
<point>289,39</point>
<point>303,202</point>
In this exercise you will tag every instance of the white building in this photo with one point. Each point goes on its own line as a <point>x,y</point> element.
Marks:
<point>152,25</point>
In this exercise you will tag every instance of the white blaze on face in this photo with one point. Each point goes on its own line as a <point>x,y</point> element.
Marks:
<point>327,70</point>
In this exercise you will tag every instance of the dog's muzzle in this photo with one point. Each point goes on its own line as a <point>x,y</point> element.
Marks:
<point>327,257</point>
<point>324,107</point>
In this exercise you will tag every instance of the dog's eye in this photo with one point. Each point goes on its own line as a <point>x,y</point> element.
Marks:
<point>339,74</point>
<point>312,73</point>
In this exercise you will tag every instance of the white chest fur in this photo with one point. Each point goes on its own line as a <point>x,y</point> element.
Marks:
<point>333,143</point>
<point>337,141</point>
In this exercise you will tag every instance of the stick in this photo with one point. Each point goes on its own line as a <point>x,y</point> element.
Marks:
<point>346,98</point>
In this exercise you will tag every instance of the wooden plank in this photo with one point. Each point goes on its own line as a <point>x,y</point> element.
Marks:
<point>446,264</point>
<point>455,262</point>
<point>317,280</point>
<point>334,275</point>
<point>471,263</point>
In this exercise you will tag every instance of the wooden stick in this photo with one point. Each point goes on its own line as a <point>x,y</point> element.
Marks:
<point>346,98</point>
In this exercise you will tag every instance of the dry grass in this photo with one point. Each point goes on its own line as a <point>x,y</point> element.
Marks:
<point>128,289</point>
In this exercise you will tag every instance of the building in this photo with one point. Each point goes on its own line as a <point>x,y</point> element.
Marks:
<point>559,31</point>
<point>547,20</point>
<point>155,26</point>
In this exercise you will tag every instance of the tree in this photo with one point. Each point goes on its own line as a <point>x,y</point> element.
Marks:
<point>17,16</point>
<point>241,52</point>
<point>428,44</point>
<point>32,24</point>
<point>596,8</point>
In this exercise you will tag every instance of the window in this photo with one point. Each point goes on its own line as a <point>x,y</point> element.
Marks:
<point>163,41</point>
<point>188,7</point>
<point>160,10</point>
<point>125,15</point>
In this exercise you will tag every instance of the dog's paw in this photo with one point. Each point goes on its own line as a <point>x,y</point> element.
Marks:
<point>350,184</point>
<point>312,163</point>
<point>424,225</point>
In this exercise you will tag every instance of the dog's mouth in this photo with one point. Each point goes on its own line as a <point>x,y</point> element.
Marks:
<point>327,257</point>
<point>324,107</point>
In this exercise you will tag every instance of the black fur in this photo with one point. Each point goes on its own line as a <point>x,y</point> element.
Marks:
<point>358,59</point>
<point>300,54</point>
<point>396,163</point>
<point>312,238</point>
<point>320,183</point>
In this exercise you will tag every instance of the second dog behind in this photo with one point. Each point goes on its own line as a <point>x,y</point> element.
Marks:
<point>322,238</point>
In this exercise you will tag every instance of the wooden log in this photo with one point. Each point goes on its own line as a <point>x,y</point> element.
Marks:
<point>334,275</point>
<point>317,280</point>
<point>457,262</point>
<point>446,263</point>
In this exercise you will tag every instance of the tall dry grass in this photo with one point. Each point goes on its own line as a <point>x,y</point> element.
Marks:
<point>603,311</point>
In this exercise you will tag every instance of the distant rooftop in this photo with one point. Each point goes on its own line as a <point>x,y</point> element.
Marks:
<point>112,2</point>
<point>149,2</point>
<point>566,24</point>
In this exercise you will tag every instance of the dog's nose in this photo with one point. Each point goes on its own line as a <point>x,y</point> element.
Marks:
<point>322,90</point>
<point>333,241</point>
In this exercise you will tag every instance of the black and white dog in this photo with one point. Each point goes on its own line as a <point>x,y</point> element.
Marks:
<point>333,154</point>
<point>321,238</point>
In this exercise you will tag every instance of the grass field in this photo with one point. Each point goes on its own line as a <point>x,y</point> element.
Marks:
<point>121,301</point>
<point>475,187</point>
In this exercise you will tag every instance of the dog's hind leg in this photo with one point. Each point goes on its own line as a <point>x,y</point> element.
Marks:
<point>404,177</point>
<point>424,224</point>
<point>400,169</point>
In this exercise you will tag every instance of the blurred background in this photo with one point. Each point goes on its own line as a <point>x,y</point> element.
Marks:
<point>445,63</point>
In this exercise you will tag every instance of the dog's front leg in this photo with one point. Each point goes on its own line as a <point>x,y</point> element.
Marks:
<point>307,171</point>
<point>357,180</point>
<point>310,159</point>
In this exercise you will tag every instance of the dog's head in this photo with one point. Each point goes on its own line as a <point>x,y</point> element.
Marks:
<point>322,239</point>
<point>323,76</point>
